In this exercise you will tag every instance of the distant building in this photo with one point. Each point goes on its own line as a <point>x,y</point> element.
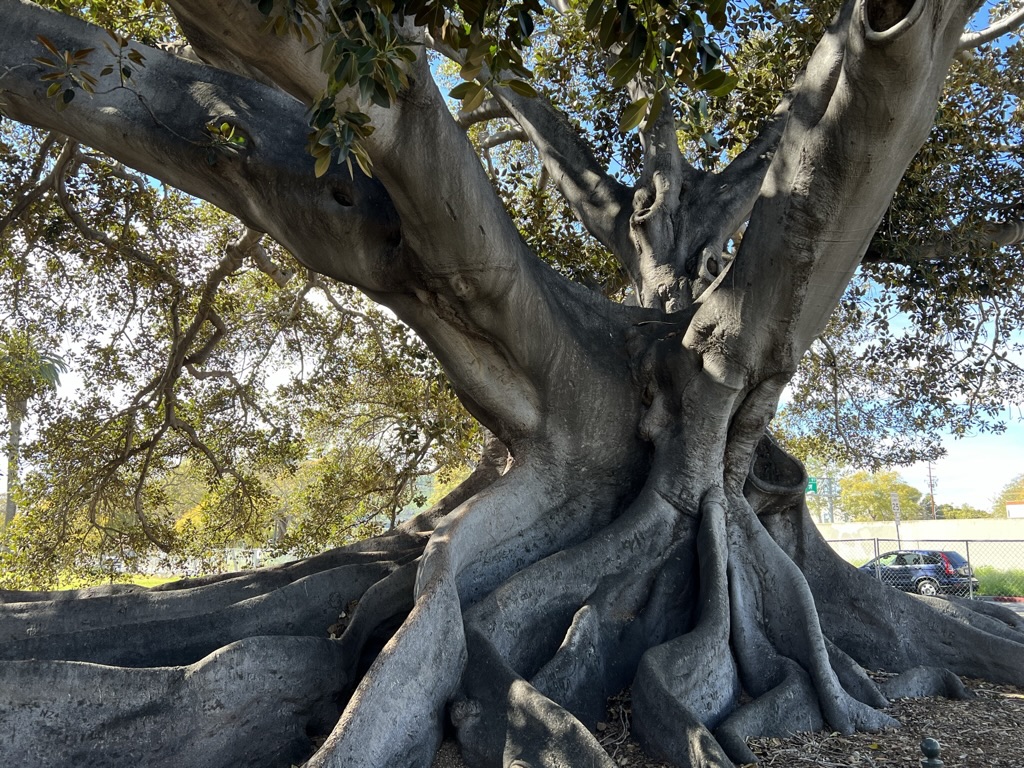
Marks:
<point>1015,509</point>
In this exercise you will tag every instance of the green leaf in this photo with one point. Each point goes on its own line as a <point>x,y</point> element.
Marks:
<point>657,103</point>
<point>462,90</point>
<point>522,88</point>
<point>729,82</point>
<point>710,80</point>
<point>472,9</point>
<point>607,34</point>
<point>365,165</point>
<point>593,17</point>
<point>623,71</point>
<point>633,114</point>
<point>45,42</point>
<point>525,23</point>
<point>323,162</point>
<point>474,99</point>
<point>470,72</point>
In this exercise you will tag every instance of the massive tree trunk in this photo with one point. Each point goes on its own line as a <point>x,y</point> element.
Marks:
<point>645,530</point>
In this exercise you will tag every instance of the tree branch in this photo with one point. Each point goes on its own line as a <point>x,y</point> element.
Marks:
<point>869,93</point>
<point>491,109</point>
<point>1009,23</point>
<point>491,140</point>
<point>35,191</point>
<point>600,202</point>
<point>990,234</point>
<point>158,126</point>
<point>475,282</point>
<point>67,161</point>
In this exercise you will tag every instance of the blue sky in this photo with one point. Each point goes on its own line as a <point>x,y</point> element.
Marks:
<point>974,470</point>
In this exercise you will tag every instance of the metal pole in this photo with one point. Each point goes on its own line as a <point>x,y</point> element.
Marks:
<point>970,571</point>
<point>931,489</point>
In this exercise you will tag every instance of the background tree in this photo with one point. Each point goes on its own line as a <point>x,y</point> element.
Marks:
<point>867,496</point>
<point>1012,491</point>
<point>25,374</point>
<point>958,512</point>
<point>631,523</point>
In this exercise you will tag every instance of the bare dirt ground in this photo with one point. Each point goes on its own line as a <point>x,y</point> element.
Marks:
<point>984,732</point>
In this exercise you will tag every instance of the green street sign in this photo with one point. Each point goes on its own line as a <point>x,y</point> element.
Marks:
<point>812,485</point>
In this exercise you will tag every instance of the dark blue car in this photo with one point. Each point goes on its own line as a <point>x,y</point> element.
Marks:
<point>925,571</point>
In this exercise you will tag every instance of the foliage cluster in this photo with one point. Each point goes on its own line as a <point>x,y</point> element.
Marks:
<point>217,394</point>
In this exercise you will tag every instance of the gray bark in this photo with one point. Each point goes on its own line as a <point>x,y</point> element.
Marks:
<point>640,529</point>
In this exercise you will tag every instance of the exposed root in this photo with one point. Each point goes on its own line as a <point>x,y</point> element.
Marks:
<point>788,708</point>
<point>503,720</point>
<point>514,522</point>
<point>64,611</point>
<point>775,616</point>
<point>886,629</point>
<point>688,685</point>
<point>256,702</point>
<point>853,677</point>
<point>574,625</point>
<point>380,612</point>
<point>526,609</point>
<point>31,596</point>
<point>305,607</point>
<point>995,611</point>
<point>202,699</point>
<point>926,681</point>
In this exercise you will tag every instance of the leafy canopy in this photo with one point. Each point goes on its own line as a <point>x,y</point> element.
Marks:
<point>323,412</point>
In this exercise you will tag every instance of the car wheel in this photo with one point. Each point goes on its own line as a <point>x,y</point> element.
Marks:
<point>927,587</point>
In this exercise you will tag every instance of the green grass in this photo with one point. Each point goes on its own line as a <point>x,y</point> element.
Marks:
<point>997,583</point>
<point>150,581</point>
<point>122,578</point>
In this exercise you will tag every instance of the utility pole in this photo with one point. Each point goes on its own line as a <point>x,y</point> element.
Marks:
<point>931,489</point>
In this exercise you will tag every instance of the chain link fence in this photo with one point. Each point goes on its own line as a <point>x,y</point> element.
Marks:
<point>966,567</point>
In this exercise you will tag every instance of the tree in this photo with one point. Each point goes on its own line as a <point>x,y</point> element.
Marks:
<point>1012,491</point>
<point>25,373</point>
<point>867,496</point>
<point>631,523</point>
<point>959,512</point>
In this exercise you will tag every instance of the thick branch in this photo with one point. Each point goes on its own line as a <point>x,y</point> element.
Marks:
<point>456,270</point>
<point>503,137</point>
<point>157,125</point>
<point>944,248</point>
<point>491,109</point>
<point>600,202</point>
<point>1005,25</point>
<point>476,286</point>
<point>862,111</point>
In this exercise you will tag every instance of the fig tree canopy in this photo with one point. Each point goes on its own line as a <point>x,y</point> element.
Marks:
<point>631,523</point>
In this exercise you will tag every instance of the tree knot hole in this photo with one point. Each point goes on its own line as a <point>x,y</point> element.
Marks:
<point>461,287</point>
<point>886,14</point>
